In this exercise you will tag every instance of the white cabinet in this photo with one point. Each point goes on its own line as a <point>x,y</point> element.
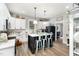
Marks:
<point>23,24</point>
<point>20,24</point>
<point>7,52</point>
<point>15,23</point>
<point>12,23</point>
<point>2,25</point>
<point>76,36</point>
<point>7,48</point>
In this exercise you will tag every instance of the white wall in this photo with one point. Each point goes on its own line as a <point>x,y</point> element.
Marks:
<point>65,29</point>
<point>65,22</point>
<point>4,14</point>
<point>53,21</point>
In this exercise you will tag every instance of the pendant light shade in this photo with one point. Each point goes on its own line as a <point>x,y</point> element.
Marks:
<point>35,22</point>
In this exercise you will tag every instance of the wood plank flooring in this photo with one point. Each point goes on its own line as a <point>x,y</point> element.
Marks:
<point>59,49</point>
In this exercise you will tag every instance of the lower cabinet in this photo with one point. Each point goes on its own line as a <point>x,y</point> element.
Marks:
<point>7,51</point>
<point>32,43</point>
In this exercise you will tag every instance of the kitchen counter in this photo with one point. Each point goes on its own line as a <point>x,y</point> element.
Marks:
<point>40,34</point>
<point>7,44</point>
<point>12,35</point>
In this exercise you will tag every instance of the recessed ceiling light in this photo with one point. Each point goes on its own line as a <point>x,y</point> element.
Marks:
<point>67,12</point>
<point>35,22</point>
<point>67,7</point>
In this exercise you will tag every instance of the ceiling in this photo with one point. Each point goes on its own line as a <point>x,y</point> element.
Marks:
<point>27,9</point>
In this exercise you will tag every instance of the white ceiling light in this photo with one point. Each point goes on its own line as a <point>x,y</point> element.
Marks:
<point>34,22</point>
<point>67,7</point>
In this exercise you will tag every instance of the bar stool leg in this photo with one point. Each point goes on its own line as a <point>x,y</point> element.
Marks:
<point>36,48</point>
<point>43,44</point>
<point>48,43</point>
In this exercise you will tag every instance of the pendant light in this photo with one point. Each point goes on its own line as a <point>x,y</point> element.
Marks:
<point>35,21</point>
<point>44,17</point>
<point>44,23</point>
<point>44,13</point>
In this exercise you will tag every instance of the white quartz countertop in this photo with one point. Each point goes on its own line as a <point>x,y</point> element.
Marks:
<point>33,35</point>
<point>7,44</point>
<point>40,34</point>
<point>12,35</point>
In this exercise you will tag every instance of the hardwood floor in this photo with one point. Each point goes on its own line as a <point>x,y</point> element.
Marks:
<point>59,49</point>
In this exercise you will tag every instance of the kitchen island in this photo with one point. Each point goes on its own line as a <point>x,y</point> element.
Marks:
<point>32,41</point>
<point>7,48</point>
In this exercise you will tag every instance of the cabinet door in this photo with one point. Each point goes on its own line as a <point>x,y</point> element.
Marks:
<point>2,25</point>
<point>23,24</point>
<point>12,23</point>
<point>15,23</point>
<point>7,52</point>
<point>18,24</point>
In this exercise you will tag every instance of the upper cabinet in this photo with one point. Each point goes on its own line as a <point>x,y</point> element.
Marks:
<point>20,23</point>
<point>2,25</point>
<point>23,23</point>
<point>12,23</point>
<point>15,23</point>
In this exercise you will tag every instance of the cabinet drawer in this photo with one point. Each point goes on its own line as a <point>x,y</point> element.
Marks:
<point>7,52</point>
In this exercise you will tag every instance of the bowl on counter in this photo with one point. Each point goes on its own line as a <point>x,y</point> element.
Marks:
<point>3,37</point>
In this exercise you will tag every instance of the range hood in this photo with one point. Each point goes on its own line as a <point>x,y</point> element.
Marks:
<point>43,19</point>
